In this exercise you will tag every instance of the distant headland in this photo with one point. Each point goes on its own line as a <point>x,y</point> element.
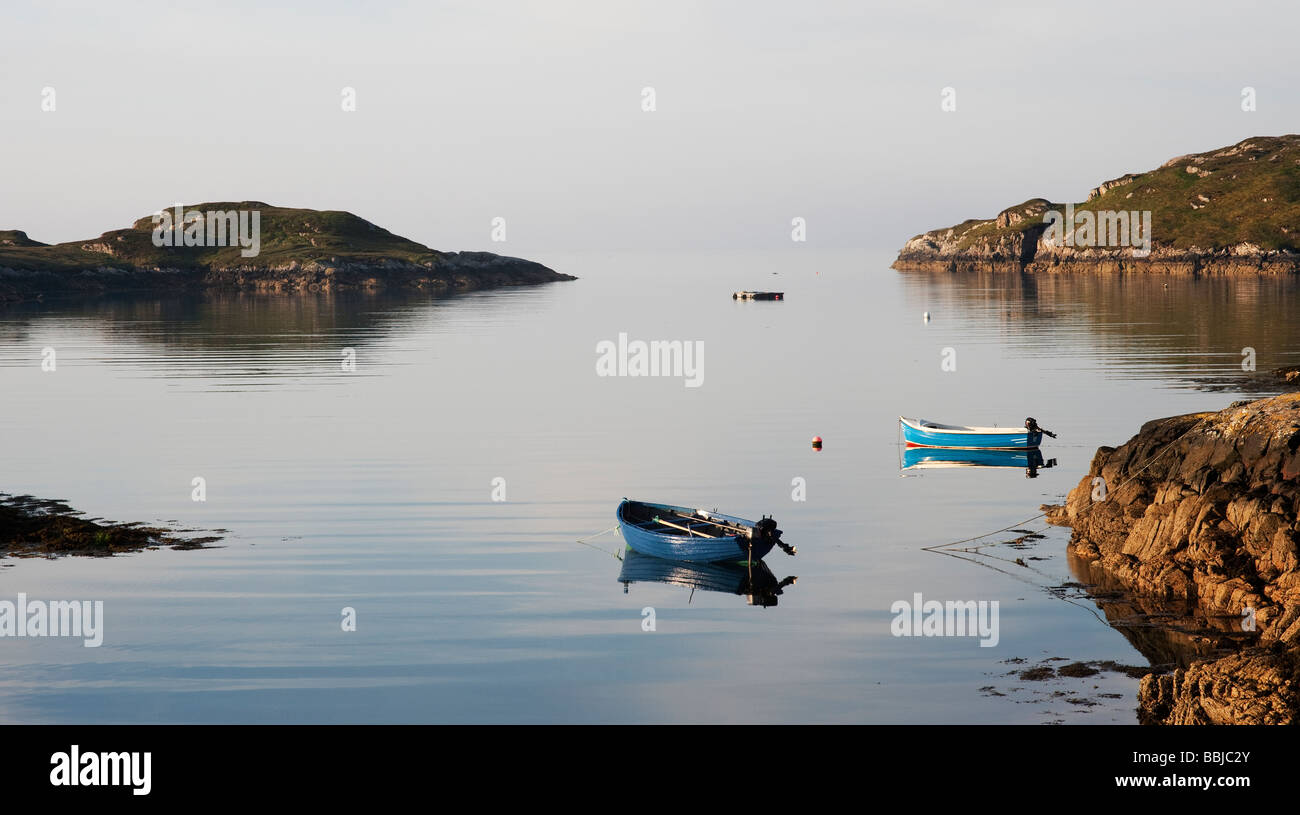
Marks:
<point>249,246</point>
<point>1232,211</point>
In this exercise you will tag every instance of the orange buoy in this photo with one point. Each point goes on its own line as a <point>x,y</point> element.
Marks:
<point>817,442</point>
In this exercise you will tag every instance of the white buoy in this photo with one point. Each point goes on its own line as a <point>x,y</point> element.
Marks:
<point>926,316</point>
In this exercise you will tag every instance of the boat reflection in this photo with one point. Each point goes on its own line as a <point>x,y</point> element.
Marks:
<point>756,583</point>
<point>940,458</point>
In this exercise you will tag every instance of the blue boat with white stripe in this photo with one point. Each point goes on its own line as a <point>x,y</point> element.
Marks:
<point>695,535</point>
<point>925,433</point>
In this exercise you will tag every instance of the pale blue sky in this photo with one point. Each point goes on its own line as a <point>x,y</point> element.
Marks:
<point>532,111</point>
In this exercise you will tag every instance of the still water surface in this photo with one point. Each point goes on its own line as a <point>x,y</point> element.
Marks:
<point>372,489</point>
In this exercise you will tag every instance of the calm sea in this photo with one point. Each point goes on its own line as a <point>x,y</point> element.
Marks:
<point>373,489</point>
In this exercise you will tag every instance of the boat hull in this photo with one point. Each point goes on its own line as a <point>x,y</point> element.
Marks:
<point>915,434</point>
<point>690,548</point>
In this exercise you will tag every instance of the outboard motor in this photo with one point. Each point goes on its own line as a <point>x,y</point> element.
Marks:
<point>1031,424</point>
<point>766,530</point>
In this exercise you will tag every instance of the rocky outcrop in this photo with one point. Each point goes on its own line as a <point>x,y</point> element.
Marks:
<point>1205,508</point>
<point>1106,186</point>
<point>464,271</point>
<point>1256,687</point>
<point>16,237</point>
<point>1007,242</point>
<point>460,271</point>
<point>1021,255</point>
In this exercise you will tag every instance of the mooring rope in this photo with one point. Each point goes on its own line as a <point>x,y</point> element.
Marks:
<point>1014,526</point>
<point>1021,578</point>
<point>613,552</point>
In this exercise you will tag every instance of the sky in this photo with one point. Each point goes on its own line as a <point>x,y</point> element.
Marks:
<point>534,112</point>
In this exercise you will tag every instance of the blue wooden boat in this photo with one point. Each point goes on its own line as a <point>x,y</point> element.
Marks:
<point>754,581</point>
<point>924,433</point>
<point>694,535</point>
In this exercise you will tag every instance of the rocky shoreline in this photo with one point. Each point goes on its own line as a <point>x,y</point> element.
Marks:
<point>1205,509</point>
<point>455,272</point>
<point>1160,262</point>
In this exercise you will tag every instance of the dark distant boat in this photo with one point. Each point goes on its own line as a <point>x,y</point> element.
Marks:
<point>942,458</point>
<point>758,295</point>
<point>694,535</point>
<point>923,433</point>
<point>754,581</point>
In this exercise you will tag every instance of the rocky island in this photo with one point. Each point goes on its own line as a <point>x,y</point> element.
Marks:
<point>1205,508</point>
<point>295,250</point>
<point>1232,211</point>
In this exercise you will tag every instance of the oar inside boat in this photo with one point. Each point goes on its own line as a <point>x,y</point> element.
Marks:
<point>689,529</point>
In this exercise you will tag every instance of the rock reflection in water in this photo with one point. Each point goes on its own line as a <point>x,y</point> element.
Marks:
<point>1169,633</point>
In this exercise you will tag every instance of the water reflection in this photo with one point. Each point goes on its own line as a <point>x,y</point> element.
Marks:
<point>754,582</point>
<point>941,458</point>
<point>371,489</point>
<point>1143,326</point>
<point>1169,633</point>
<point>243,340</point>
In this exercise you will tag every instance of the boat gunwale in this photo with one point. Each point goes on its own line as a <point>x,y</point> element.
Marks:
<point>916,424</point>
<point>677,537</point>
